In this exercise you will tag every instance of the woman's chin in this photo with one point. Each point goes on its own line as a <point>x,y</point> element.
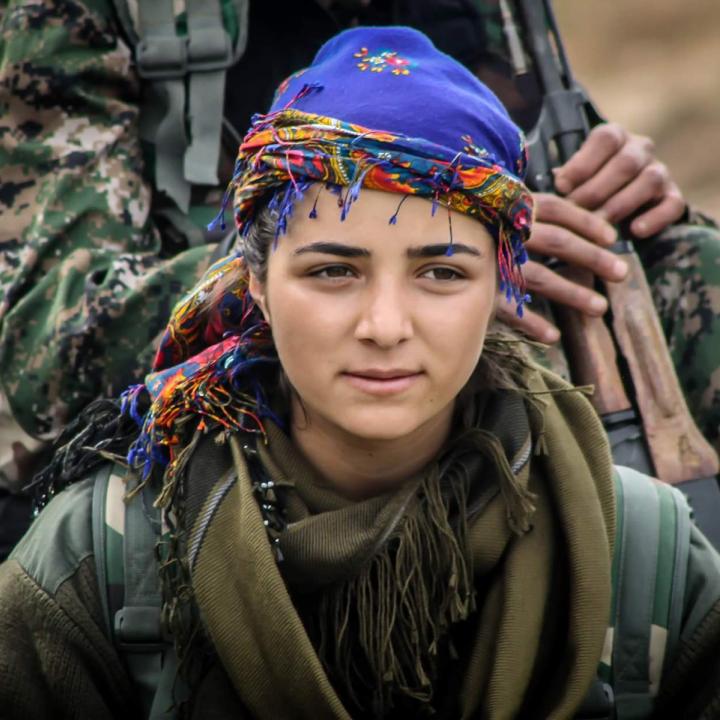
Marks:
<point>381,424</point>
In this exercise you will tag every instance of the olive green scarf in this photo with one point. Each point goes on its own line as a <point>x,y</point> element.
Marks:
<point>365,600</point>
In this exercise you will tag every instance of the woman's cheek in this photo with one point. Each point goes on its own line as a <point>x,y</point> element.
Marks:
<point>463,323</point>
<point>305,344</point>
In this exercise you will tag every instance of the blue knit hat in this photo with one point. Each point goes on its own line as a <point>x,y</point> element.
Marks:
<point>394,79</point>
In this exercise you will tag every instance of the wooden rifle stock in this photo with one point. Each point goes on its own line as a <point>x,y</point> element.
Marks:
<point>589,346</point>
<point>678,450</point>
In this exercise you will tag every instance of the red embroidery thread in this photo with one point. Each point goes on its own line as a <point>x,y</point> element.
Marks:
<point>385,59</point>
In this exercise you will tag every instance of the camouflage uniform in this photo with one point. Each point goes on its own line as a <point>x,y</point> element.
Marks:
<point>683,269</point>
<point>87,280</point>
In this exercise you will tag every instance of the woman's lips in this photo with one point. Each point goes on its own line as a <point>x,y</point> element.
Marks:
<point>381,383</point>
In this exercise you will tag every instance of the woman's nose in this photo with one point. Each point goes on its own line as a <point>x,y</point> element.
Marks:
<point>385,317</point>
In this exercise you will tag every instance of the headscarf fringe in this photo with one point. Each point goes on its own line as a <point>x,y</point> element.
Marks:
<point>288,146</point>
<point>519,500</point>
<point>175,471</point>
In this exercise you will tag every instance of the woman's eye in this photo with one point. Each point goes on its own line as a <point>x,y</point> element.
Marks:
<point>334,272</point>
<point>442,273</point>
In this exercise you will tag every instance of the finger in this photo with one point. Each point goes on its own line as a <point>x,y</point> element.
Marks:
<point>555,210</point>
<point>558,242</point>
<point>531,324</point>
<point>650,186</point>
<point>655,220</point>
<point>603,142</point>
<point>615,174</point>
<point>553,286</point>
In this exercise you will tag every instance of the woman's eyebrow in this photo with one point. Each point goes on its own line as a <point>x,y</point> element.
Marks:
<point>426,251</point>
<point>330,248</point>
<point>421,251</point>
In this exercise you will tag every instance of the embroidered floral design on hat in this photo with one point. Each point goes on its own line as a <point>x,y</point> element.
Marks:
<point>472,149</point>
<point>385,59</point>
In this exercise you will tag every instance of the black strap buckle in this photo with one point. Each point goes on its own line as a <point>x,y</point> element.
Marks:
<point>138,629</point>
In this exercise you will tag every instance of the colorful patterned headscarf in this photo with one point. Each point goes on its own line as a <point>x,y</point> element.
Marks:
<point>286,150</point>
<point>379,108</point>
<point>382,108</point>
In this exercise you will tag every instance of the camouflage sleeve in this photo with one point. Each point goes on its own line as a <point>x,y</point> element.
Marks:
<point>683,268</point>
<point>85,286</point>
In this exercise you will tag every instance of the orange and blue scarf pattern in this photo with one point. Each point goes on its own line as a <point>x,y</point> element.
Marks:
<point>287,150</point>
<point>207,369</point>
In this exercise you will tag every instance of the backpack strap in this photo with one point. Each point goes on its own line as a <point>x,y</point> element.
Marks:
<point>137,628</point>
<point>649,577</point>
<point>210,53</point>
<point>676,604</point>
<point>125,536</point>
<point>185,76</point>
<point>161,60</point>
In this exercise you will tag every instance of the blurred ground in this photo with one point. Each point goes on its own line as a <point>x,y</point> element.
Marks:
<point>654,66</point>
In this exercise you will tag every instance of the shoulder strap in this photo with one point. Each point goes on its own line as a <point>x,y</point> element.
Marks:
<point>649,576</point>
<point>136,625</point>
<point>125,537</point>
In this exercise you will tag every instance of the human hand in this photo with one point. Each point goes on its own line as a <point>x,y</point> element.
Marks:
<point>615,173</point>
<point>578,237</point>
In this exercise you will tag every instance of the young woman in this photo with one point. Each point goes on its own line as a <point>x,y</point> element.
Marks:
<point>374,506</point>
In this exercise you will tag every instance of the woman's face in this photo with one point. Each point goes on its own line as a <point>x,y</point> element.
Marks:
<point>376,328</point>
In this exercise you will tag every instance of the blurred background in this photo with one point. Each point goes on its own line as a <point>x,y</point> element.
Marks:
<point>654,66</point>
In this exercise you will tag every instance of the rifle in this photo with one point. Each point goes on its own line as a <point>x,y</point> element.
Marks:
<point>624,355</point>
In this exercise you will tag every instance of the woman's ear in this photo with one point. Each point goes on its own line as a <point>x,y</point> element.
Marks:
<point>257,291</point>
